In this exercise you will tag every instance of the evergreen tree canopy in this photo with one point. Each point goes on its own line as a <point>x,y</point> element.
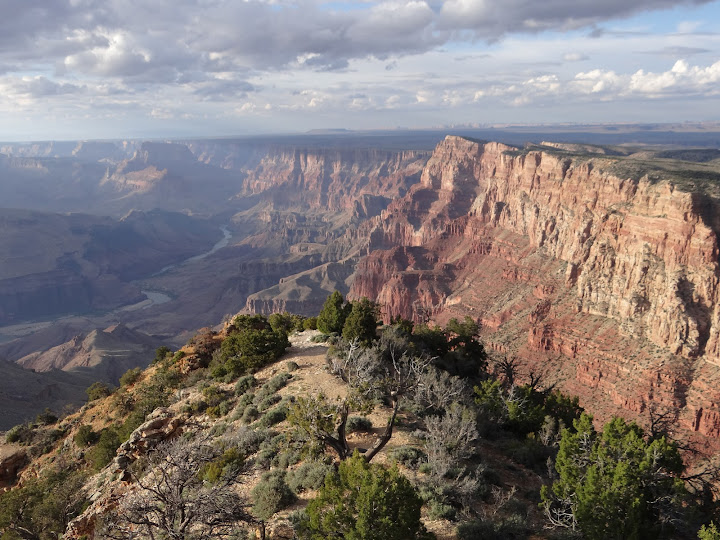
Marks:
<point>251,344</point>
<point>362,322</point>
<point>333,314</point>
<point>364,502</point>
<point>616,484</point>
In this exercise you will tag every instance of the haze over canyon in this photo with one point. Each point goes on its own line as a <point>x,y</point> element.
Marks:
<point>595,265</point>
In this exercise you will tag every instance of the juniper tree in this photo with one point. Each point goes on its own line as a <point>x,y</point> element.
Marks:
<point>364,502</point>
<point>616,484</point>
<point>333,314</point>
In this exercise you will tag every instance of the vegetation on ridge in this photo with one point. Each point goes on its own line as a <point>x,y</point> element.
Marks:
<point>443,439</point>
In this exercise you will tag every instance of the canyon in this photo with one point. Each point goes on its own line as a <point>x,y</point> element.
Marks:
<point>595,267</point>
<point>605,284</point>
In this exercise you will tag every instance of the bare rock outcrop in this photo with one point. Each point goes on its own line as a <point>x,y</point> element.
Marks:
<point>162,425</point>
<point>11,462</point>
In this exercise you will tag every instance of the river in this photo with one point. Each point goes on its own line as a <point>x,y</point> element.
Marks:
<point>158,297</point>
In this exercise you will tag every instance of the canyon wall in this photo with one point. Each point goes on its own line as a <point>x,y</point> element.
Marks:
<point>607,284</point>
<point>361,181</point>
<point>317,204</point>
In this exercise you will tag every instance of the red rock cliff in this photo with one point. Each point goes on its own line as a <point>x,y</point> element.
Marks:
<point>608,284</point>
<point>362,181</point>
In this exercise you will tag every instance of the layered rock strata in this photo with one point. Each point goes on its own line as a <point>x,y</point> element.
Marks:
<point>608,284</point>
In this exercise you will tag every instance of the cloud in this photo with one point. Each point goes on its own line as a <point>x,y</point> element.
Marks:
<point>223,90</point>
<point>492,20</point>
<point>36,87</point>
<point>682,78</point>
<point>294,56</point>
<point>574,57</point>
<point>675,51</point>
<point>163,39</point>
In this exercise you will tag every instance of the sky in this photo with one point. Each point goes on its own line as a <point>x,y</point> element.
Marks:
<point>84,69</point>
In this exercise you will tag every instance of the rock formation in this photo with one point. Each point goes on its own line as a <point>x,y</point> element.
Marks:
<point>606,281</point>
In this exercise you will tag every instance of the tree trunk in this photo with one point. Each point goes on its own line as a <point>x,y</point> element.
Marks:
<point>385,437</point>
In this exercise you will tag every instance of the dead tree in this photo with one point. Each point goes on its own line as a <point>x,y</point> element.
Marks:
<point>173,501</point>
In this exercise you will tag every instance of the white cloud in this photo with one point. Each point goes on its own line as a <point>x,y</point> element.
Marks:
<point>574,57</point>
<point>123,58</point>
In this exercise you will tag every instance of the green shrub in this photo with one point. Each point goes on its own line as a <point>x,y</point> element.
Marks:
<point>440,510</point>
<point>219,410</point>
<point>310,323</point>
<point>358,423</point>
<point>309,475</point>
<point>250,415</point>
<point>292,366</point>
<point>22,433</point>
<point>409,456</point>
<point>161,353</point>
<point>251,344</point>
<point>46,418</point>
<point>198,407</point>
<point>104,451</point>
<point>709,532</point>
<point>268,402</point>
<point>510,528</point>
<point>85,436</point>
<point>285,322</point>
<point>166,379</point>
<point>271,495</point>
<point>219,372</point>
<point>273,416</point>
<point>250,440</point>
<point>320,338</point>
<point>227,466</point>
<point>285,459</point>
<point>42,507</point>
<point>130,376</point>
<point>277,382</point>
<point>244,384</point>
<point>364,501</point>
<point>362,321</point>
<point>98,390</point>
<point>333,314</point>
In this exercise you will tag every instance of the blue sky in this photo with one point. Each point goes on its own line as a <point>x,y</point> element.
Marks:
<point>130,68</point>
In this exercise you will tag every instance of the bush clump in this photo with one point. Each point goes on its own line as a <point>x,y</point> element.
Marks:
<point>310,323</point>
<point>130,376</point>
<point>104,451</point>
<point>85,436</point>
<point>273,416</point>
<point>250,415</point>
<point>244,384</point>
<point>46,418</point>
<point>358,424</point>
<point>251,344</point>
<point>309,475</point>
<point>22,433</point>
<point>98,390</point>
<point>409,456</point>
<point>268,402</point>
<point>228,465</point>
<point>271,495</point>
